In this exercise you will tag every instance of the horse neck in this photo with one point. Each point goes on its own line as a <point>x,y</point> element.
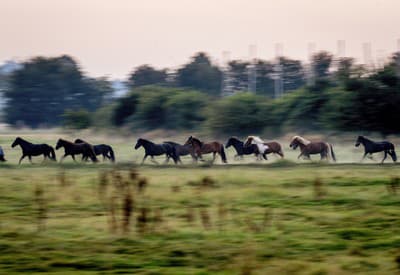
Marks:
<point>301,145</point>
<point>65,143</point>
<point>196,143</point>
<point>366,141</point>
<point>147,143</point>
<point>237,143</point>
<point>23,143</point>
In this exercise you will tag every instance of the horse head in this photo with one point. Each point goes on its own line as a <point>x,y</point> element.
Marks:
<point>189,141</point>
<point>359,141</point>
<point>139,143</point>
<point>59,143</point>
<point>294,143</point>
<point>230,142</point>
<point>16,142</point>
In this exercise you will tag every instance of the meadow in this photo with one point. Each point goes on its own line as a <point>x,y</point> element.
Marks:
<point>246,217</point>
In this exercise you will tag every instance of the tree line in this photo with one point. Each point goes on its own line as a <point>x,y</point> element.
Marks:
<point>342,96</point>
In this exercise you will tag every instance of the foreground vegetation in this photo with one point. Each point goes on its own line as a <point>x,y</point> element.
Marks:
<point>253,219</point>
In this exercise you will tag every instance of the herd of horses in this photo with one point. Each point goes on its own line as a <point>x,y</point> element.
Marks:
<point>196,148</point>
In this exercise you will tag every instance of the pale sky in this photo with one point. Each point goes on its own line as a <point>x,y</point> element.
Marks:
<point>111,37</point>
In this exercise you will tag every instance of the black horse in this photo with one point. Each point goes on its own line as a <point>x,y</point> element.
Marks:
<point>151,149</point>
<point>30,149</point>
<point>371,147</point>
<point>181,150</point>
<point>72,149</point>
<point>243,150</point>
<point>99,149</point>
<point>2,155</point>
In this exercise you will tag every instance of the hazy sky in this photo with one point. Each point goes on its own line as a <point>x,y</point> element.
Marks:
<point>112,37</point>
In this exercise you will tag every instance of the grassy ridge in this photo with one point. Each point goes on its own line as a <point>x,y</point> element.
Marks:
<point>245,217</point>
<point>251,218</point>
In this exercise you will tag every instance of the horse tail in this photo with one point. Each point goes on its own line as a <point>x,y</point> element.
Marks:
<point>280,151</point>
<point>52,154</point>
<point>223,155</point>
<point>91,153</point>
<point>332,153</point>
<point>112,156</point>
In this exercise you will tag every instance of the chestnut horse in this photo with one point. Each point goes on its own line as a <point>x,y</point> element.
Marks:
<point>265,147</point>
<point>308,148</point>
<point>198,148</point>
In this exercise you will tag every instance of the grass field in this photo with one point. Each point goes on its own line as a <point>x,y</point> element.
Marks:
<point>276,217</point>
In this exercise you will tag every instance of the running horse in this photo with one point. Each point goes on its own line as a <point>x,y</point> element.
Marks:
<point>152,149</point>
<point>181,150</point>
<point>308,148</point>
<point>72,149</point>
<point>199,148</point>
<point>371,147</point>
<point>29,150</point>
<point>99,149</point>
<point>265,148</point>
<point>241,149</point>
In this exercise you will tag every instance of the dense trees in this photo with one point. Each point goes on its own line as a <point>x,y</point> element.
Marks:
<point>147,75</point>
<point>343,97</point>
<point>44,88</point>
<point>200,74</point>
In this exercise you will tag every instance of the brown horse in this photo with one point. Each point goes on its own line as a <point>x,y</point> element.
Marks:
<point>308,148</point>
<point>265,147</point>
<point>198,148</point>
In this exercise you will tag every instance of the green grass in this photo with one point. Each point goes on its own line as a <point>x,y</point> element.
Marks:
<point>259,218</point>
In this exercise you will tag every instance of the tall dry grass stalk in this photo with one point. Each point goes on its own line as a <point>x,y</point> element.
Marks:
<point>41,205</point>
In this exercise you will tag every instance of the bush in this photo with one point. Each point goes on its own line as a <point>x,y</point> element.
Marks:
<point>125,107</point>
<point>185,109</point>
<point>243,113</point>
<point>79,119</point>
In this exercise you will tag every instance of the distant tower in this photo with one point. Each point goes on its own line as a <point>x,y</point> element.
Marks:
<point>367,55</point>
<point>341,48</point>
<point>398,45</point>
<point>398,58</point>
<point>310,74</point>
<point>226,88</point>
<point>278,71</point>
<point>252,69</point>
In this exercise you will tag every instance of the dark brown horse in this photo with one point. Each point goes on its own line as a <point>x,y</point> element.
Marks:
<point>72,149</point>
<point>265,147</point>
<point>308,148</point>
<point>198,148</point>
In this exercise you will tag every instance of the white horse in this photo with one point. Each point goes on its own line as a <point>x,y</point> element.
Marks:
<point>262,147</point>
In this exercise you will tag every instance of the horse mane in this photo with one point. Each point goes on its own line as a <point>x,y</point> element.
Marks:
<point>255,138</point>
<point>197,141</point>
<point>301,140</point>
<point>23,140</point>
<point>145,141</point>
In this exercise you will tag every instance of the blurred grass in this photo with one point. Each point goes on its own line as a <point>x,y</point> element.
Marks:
<point>275,217</point>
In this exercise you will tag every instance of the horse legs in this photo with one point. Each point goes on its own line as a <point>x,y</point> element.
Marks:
<point>301,154</point>
<point>21,159</point>
<point>265,156</point>
<point>153,160</point>
<point>214,154</point>
<point>365,154</point>
<point>384,157</point>
<point>73,157</point>
<point>30,159</point>
<point>144,158</point>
